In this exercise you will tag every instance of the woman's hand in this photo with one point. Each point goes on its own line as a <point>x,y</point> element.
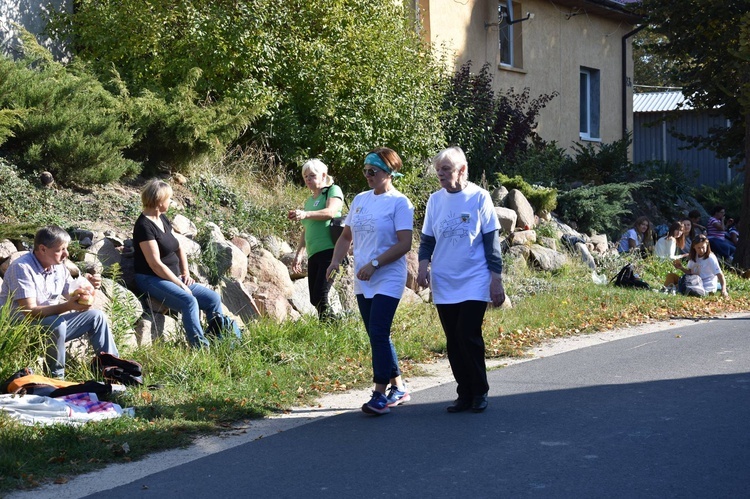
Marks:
<point>187,280</point>
<point>297,215</point>
<point>332,271</point>
<point>497,290</point>
<point>423,275</point>
<point>95,280</point>
<point>366,272</point>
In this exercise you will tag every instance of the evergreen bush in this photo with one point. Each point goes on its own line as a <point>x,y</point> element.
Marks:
<point>541,198</point>
<point>597,208</point>
<point>69,122</point>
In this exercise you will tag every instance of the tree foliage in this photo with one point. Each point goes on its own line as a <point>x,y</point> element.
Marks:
<point>708,41</point>
<point>494,131</point>
<point>331,79</point>
<point>65,121</point>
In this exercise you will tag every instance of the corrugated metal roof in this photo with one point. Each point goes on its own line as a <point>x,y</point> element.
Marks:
<point>657,102</point>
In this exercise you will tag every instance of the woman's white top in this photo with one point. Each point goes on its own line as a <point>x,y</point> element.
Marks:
<point>708,269</point>
<point>666,247</point>
<point>374,221</point>
<point>458,221</point>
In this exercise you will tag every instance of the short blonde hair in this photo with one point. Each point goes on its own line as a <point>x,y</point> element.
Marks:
<point>317,166</point>
<point>155,192</point>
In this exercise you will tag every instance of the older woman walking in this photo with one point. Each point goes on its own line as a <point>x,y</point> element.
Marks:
<point>379,223</point>
<point>325,203</point>
<point>460,259</point>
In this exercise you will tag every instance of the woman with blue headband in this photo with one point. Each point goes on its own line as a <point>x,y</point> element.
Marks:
<point>461,262</point>
<point>379,224</point>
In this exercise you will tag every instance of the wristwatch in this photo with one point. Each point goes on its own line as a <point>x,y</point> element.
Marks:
<point>375,264</point>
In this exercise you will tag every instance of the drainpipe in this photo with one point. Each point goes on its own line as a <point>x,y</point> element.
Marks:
<point>625,78</point>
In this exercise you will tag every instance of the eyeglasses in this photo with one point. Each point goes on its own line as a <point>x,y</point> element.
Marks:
<point>370,172</point>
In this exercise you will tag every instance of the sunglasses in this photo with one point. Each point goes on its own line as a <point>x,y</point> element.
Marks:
<point>701,238</point>
<point>370,172</point>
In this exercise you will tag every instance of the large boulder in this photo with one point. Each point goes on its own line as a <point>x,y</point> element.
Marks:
<point>263,268</point>
<point>518,203</point>
<point>183,225</point>
<point>12,258</point>
<point>523,237</point>
<point>586,257</point>
<point>499,195</point>
<point>272,302</point>
<point>102,254</point>
<point>300,298</point>
<point>276,246</point>
<point>237,297</point>
<point>7,248</point>
<point>547,259</point>
<point>508,219</point>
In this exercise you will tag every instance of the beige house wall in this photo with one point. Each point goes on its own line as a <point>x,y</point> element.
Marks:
<point>554,47</point>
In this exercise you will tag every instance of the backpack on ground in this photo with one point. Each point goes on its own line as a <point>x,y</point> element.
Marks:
<point>114,369</point>
<point>627,278</point>
<point>691,285</point>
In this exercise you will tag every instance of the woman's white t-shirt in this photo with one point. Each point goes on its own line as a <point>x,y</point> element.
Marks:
<point>458,221</point>
<point>374,221</point>
<point>708,269</point>
<point>624,245</point>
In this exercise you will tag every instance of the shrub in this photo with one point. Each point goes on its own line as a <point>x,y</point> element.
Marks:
<point>540,164</point>
<point>492,130</point>
<point>332,79</point>
<point>597,208</point>
<point>69,124</point>
<point>727,195</point>
<point>541,198</point>
<point>601,163</point>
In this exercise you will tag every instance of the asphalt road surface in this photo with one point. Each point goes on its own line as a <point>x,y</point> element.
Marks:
<point>664,414</point>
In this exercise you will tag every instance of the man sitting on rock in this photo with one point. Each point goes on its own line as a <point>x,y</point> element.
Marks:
<point>38,283</point>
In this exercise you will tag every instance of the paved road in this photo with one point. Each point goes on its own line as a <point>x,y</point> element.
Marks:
<point>664,414</point>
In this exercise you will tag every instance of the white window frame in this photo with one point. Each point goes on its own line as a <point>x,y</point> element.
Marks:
<point>589,106</point>
<point>505,12</point>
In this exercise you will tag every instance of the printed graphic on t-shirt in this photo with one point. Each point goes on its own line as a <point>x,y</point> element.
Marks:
<point>363,221</point>
<point>455,226</point>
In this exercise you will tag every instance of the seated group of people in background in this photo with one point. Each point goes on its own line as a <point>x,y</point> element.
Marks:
<point>702,246</point>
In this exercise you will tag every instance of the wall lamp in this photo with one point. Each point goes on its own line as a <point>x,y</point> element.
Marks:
<point>529,15</point>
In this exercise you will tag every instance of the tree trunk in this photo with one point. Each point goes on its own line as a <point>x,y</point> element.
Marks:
<point>742,256</point>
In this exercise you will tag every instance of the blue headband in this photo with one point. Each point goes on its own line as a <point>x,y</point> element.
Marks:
<point>374,159</point>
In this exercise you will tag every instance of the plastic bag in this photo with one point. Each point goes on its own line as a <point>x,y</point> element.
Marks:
<point>82,291</point>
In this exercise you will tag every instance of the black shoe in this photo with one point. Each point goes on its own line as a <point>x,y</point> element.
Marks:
<point>460,405</point>
<point>479,403</point>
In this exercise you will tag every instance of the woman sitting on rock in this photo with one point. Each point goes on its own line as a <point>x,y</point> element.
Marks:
<point>161,266</point>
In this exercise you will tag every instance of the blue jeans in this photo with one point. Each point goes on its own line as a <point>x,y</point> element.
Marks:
<point>72,325</point>
<point>377,314</point>
<point>188,304</point>
<point>722,247</point>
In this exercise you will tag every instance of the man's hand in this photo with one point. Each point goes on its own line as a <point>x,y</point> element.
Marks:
<point>95,280</point>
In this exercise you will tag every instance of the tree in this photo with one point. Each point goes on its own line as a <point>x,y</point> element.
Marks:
<point>708,42</point>
<point>650,68</point>
<point>333,78</point>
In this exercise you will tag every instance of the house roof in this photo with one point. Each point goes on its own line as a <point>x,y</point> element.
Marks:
<point>659,102</point>
<point>615,9</point>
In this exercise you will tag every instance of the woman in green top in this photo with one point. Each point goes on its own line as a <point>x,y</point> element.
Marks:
<point>324,204</point>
